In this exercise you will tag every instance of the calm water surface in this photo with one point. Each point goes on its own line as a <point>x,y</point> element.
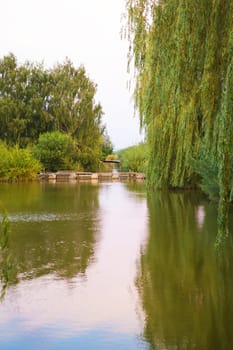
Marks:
<point>106,266</point>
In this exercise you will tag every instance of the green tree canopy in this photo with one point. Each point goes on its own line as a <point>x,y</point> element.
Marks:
<point>35,100</point>
<point>24,92</point>
<point>107,146</point>
<point>74,111</point>
<point>182,53</point>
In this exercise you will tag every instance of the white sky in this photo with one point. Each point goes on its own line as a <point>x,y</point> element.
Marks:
<point>88,33</point>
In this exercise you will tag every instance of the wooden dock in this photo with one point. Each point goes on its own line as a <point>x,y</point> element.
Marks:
<point>66,176</point>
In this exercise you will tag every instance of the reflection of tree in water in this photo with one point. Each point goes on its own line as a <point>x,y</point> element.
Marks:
<point>138,188</point>
<point>56,233</point>
<point>186,291</point>
<point>5,260</point>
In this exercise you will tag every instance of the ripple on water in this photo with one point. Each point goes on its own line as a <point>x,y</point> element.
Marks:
<point>41,217</point>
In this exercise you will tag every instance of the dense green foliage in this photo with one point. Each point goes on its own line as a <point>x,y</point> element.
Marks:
<point>35,100</point>
<point>107,146</point>
<point>17,164</point>
<point>134,158</point>
<point>24,94</point>
<point>56,151</point>
<point>207,168</point>
<point>182,52</point>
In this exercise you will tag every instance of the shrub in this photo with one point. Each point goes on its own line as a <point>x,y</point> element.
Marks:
<point>17,163</point>
<point>89,158</point>
<point>207,168</point>
<point>56,151</point>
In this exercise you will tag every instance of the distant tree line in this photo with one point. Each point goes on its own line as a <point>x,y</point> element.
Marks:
<point>35,101</point>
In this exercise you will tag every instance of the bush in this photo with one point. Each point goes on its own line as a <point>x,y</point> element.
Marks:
<point>89,158</point>
<point>17,164</point>
<point>134,158</point>
<point>56,151</point>
<point>207,168</point>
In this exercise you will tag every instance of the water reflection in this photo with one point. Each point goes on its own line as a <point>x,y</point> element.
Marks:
<point>53,228</point>
<point>5,259</point>
<point>103,267</point>
<point>74,281</point>
<point>200,216</point>
<point>185,290</point>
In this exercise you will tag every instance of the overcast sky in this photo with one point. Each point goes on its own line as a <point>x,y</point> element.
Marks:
<point>87,32</point>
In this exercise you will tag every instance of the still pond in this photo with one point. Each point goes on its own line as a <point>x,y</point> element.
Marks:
<point>109,266</point>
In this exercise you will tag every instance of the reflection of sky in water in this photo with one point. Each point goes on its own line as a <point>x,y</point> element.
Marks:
<point>96,339</point>
<point>100,311</point>
<point>200,216</point>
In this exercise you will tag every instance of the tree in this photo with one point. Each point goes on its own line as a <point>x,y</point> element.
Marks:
<point>72,106</point>
<point>23,108</point>
<point>34,101</point>
<point>107,146</point>
<point>182,52</point>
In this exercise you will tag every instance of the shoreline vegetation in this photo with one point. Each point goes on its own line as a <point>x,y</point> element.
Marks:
<point>49,118</point>
<point>50,162</point>
<point>50,121</point>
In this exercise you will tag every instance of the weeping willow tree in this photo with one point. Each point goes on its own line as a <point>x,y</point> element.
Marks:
<point>182,52</point>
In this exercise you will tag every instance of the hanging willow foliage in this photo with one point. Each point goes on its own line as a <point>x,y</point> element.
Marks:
<point>182,53</point>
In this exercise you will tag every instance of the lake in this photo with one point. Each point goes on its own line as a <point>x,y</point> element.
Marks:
<point>108,266</point>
